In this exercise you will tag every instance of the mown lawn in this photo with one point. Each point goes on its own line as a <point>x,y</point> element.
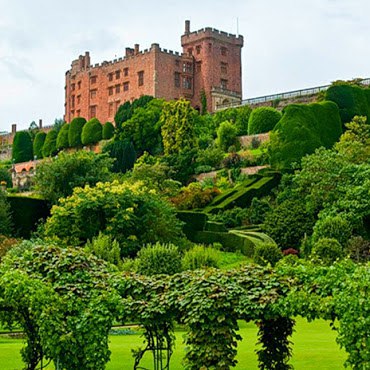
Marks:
<point>314,348</point>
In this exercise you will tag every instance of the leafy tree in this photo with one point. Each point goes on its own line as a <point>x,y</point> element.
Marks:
<point>33,129</point>
<point>5,176</point>
<point>239,116</point>
<point>128,212</point>
<point>108,131</point>
<point>263,119</point>
<point>62,138</point>
<point>123,152</point>
<point>38,144</point>
<point>75,130</point>
<point>58,124</point>
<point>50,145</point>
<point>22,147</point>
<point>91,132</point>
<point>226,135</point>
<point>5,218</point>
<point>178,127</point>
<point>58,177</point>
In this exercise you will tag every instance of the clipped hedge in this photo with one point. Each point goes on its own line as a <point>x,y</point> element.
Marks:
<point>108,131</point>
<point>62,139</point>
<point>91,132</point>
<point>352,100</point>
<point>193,221</point>
<point>50,144</point>
<point>38,144</point>
<point>22,147</point>
<point>263,119</point>
<point>26,213</point>
<point>75,130</point>
<point>301,130</point>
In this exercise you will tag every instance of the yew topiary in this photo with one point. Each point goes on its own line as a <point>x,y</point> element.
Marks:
<point>22,147</point>
<point>263,119</point>
<point>91,132</point>
<point>108,131</point>
<point>38,144</point>
<point>75,130</point>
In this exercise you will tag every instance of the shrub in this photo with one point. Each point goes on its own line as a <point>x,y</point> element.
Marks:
<point>38,144</point>
<point>50,145</point>
<point>6,244</point>
<point>159,259</point>
<point>75,130</point>
<point>108,131</point>
<point>5,220</point>
<point>211,156</point>
<point>263,119</point>
<point>5,176</point>
<point>203,169</point>
<point>91,132</point>
<point>333,227</point>
<point>327,250</point>
<point>359,249</point>
<point>200,257</point>
<point>22,147</point>
<point>226,135</point>
<point>124,154</point>
<point>265,254</point>
<point>231,218</point>
<point>62,139</point>
<point>233,160</point>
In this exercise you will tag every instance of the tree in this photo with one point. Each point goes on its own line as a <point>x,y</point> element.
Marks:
<point>91,132</point>
<point>33,129</point>
<point>226,135</point>
<point>62,139</point>
<point>58,177</point>
<point>75,130</point>
<point>128,212</point>
<point>5,176</point>
<point>38,144</point>
<point>50,145</point>
<point>123,153</point>
<point>108,131</point>
<point>263,119</point>
<point>22,147</point>
<point>178,127</point>
<point>5,218</point>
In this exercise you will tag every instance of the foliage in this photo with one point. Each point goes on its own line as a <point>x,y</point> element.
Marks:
<point>38,143</point>
<point>203,102</point>
<point>211,156</point>
<point>105,248</point>
<point>359,249</point>
<point>128,212</point>
<point>58,124</point>
<point>91,132</point>
<point>123,152</point>
<point>62,139</point>
<point>6,244</point>
<point>108,131</point>
<point>5,217</point>
<point>258,210</point>
<point>33,129</point>
<point>58,177</point>
<point>50,145</point>
<point>301,130</point>
<point>263,119</point>
<point>75,130</point>
<point>22,147</point>
<point>200,257</point>
<point>239,116</point>
<point>178,121</point>
<point>226,135</point>
<point>288,223</point>
<point>327,250</point>
<point>158,259</point>
<point>232,160</point>
<point>267,254</point>
<point>5,176</point>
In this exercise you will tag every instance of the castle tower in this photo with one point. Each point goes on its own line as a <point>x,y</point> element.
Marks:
<point>217,65</point>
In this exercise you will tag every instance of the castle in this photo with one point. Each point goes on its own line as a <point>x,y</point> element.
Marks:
<point>207,71</point>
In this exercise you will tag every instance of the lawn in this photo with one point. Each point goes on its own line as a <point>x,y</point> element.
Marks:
<point>314,348</point>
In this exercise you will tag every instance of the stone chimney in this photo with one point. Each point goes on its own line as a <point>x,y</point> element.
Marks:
<point>136,49</point>
<point>14,128</point>
<point>187,27</point>
<point>40,123</point>
<point>129,52</point>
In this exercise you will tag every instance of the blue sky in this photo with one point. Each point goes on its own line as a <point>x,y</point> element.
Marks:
<point>288,44</point>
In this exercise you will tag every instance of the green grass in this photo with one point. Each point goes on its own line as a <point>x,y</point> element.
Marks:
<point>314,348</point>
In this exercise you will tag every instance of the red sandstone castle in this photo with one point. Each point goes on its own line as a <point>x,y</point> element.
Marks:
<point>210,64</point>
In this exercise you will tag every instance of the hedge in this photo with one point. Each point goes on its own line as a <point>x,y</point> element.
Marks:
<point>26,213</point>
<point>193,221</point>
<point>301,130</point>
<point>50,144</point>
<point>62,139</point>
<point>352,100</point>
<point>75,130</point>
<point>38,144</point>
<point>91,132</point>
<point>108,131</point>
<point>263,119</point>
<point>22,147</point>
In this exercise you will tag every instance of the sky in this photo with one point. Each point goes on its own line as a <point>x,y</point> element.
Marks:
<point>288,44</point>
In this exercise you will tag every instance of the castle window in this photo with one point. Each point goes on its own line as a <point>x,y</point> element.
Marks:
<point>140,76</point>
<point>93,80</point>
<point>79,85</point>
<point>187,67</point>
<point>73,101</point>
<point>118,89</point>
<point>187,83</point>
<point>110,76</point>
<point>198,49</point>
<point>110,111</point>
<point>190,51</point>
<point>224,67</point>
<point>198,66</point>
<point>223,84</point>
<point>78,113</point>
<point>223,51</point>
<point>118,74</point>
<point>125,72</point>
<point>73,86</point>
<point>177,63</point>
<point>78,99</point>
<point>177,79</point>
<point>117,103</point>
<point>126,86</point>
<point>92,94</point>
<point>92,111</point>
<point>110,90</point>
